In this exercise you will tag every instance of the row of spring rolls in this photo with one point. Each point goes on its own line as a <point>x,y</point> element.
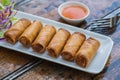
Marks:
<point>69,46</point>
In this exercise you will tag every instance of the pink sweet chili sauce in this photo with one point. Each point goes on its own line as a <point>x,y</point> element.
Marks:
<point>74,12</point>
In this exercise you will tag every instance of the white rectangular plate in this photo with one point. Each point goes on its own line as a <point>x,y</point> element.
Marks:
<point>97,63</point>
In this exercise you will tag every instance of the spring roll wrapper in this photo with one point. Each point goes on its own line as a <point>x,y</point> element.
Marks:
<point>43,39</point>
<point>72,46</point>
<point>30,33</point>
<point>57,43</point>
<point>87,52</point>
<point>14,32</point>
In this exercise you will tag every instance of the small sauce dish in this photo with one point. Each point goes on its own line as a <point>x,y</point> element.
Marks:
<point>73,12</point>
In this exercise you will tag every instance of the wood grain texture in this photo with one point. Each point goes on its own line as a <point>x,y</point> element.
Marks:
<point>11,60</point>
<point>51,71</point>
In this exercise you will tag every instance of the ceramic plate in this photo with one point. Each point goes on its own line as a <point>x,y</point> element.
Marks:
<point>97,63</point>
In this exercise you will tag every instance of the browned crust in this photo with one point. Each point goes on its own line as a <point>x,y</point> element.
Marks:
<point>50,26</point>
<point>66,31</point>
<point>24,19</point>
<point>38,22</point>
<point>25,41</point>
<point>7,34</point>
<point>51,52</point>
<point>9,39</point>
<point>38,48</point>
<point>82,58</point>
<point>81,34</point>
<point>81,61</point>
<point>91,38</point>
<point>37,40</point>
<point>67,56</point>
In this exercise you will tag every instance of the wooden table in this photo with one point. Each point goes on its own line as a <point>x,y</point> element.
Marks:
<point>11,60</point>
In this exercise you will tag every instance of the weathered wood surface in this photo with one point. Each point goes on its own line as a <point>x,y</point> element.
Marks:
<point>51,71</point>
<point>11,60</point>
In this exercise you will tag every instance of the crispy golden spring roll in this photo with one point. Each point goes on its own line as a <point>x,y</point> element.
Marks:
<point>30,33</point>
<point>72,46</point>
<point>87,52</point>
<point>43,39</point>
<point>57,43</point>
<point>13,33</point>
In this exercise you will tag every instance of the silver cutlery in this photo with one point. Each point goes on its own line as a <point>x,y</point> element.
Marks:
<point>105,25</point>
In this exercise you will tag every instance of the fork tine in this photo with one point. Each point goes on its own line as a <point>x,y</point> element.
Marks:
<point>99,29</point>
<point>101,24</point>
<point>105,25</point>
<point>110,23</point>
<point>100,21</point>
<point>103,19</point>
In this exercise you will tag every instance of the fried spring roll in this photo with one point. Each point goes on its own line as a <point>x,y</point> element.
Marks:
<point>72,46</point>
<point>43,38</point>
<point>87,52</point>
<point>30,33</point>
<point>13,33</point>
<point>58,42</point>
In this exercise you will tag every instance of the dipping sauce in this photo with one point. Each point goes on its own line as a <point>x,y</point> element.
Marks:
<point>74,12</point>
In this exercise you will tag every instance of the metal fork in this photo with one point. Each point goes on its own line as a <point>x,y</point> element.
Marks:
<point>104,25</point>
